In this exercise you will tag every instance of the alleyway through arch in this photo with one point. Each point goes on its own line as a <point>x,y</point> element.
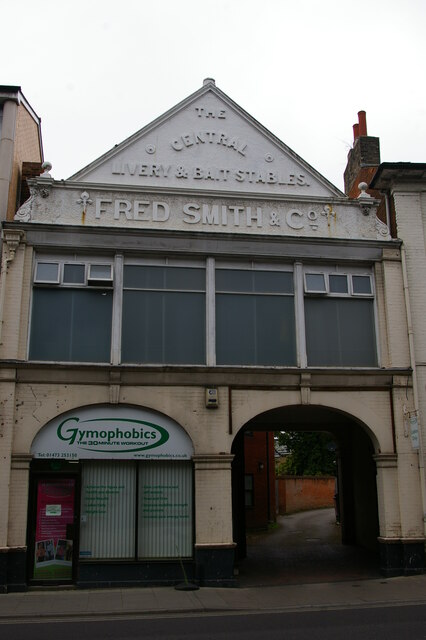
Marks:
<point>304,548</point>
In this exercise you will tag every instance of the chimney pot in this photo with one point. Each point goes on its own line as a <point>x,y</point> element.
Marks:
<point>362,119</point>
<point>356,131</point>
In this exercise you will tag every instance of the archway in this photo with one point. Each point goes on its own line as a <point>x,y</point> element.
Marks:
<point>356,475</point>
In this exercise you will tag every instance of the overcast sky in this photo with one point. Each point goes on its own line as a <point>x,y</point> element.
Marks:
<point>97,71</point>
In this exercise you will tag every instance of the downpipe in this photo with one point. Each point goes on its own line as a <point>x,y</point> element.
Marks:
<point>415,388</point>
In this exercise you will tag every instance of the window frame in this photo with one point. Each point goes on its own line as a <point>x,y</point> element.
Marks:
<point>258,267</point>
<point>349,274</point>
<point>211,265</point>
<point>361,271</point>
<point>62,260</point>
<point>165,263</point>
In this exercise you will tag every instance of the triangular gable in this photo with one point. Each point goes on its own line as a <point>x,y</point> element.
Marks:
<point>208,142</point>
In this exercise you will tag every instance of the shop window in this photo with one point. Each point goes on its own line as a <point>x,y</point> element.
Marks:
<point>69,320</point>
<point>165,510</point>
<point>340,324</point>
<point>255,322</point>
<point>108,507</point>
<point>147,502</point>
<point>164,316</point>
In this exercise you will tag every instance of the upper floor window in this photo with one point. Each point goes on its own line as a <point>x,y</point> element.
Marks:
<point>194,312</point>
<point>255,322</point>
<point>164,314</point>
<point>71,317</point>
<point>339,319</point>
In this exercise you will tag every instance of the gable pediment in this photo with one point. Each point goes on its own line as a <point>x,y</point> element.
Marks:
<point>207,142</point>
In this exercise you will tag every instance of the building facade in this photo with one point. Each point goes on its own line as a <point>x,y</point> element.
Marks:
<point>20,142</point>
<point>402,186</point>
<point>197,282</point>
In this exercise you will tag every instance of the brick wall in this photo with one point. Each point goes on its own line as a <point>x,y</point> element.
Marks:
<point>27,148</point>
<point>301,493</point>
<point>260,465</point>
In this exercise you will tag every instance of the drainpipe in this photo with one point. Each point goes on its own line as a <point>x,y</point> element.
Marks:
<point>4,268</point>
<point>415,389</point>
<point>388,217</point>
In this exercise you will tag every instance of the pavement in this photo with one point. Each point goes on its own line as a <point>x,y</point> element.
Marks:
<point>298,566</point>
<point>72,605</point>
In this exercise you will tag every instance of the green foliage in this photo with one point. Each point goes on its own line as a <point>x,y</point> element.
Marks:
<point>311,453</point>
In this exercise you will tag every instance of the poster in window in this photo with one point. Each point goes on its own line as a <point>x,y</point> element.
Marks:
<point>54,524</point>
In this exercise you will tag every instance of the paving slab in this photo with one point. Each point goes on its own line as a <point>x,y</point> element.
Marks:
<point>74,604</point>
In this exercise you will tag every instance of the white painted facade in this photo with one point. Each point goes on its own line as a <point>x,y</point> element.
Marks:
<point>206,189</point>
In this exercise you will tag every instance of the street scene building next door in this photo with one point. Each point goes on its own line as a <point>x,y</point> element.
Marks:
<point>197,281</point>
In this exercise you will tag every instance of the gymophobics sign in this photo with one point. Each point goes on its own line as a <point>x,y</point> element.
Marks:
<point>120,432</point>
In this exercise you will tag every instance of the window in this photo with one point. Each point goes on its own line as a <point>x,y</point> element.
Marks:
<point>74,274</point>
<point>340,327</point>
<point>69,321</point>
<point>165,510</point>
<point>100,274</point>
<point>315,282</point>
<point>161,307</point>
<point>249,490</point>
<point>255,322</point>
<point>164,314</point>
<point>135,510</point>
<point>47,272</point>
<point>108,508</point>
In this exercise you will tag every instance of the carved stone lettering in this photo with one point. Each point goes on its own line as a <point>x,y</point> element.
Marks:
<point>189,139</point>
<point>208,214</point>
<point>203,112</point>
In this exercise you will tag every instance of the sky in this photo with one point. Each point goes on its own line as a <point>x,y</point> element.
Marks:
<point>97,71</point>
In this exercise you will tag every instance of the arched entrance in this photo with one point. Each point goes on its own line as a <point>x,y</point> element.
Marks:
<point>355,475</point>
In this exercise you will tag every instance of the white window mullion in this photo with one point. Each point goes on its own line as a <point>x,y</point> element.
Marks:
<point>117,310</point>
<point>210,313</point>
<point>302,360</point>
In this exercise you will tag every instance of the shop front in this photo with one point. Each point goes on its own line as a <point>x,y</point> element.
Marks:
<point>111,498</point>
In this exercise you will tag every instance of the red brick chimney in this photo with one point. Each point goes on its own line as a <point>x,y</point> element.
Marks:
<point>363,162</point>
<point>363,158</point>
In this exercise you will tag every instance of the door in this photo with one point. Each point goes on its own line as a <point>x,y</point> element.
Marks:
<point>54,529</point>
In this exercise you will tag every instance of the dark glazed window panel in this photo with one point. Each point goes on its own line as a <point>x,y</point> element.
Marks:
<point>74,273</point>
<point>243,281</point>
<point>255,330</point>
<point>71,325</point>
<point>100,271</point>
<point>176,278</point>
<point>315,282</point>
<point>186,279</point>
<point>338,283</point>
<point>163,327</point>
<point>249,490</point>
<point>139,277</point>
<point>340,332</point>
<point>47,272</point>
<point>361,284</point>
